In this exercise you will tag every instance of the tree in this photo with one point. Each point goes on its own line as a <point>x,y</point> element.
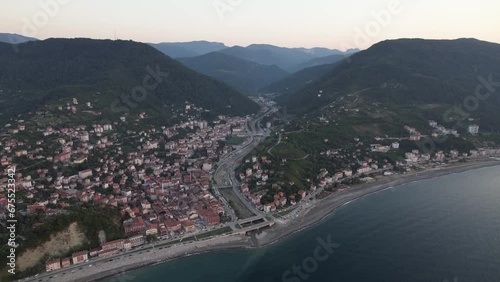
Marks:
<point>151,238</point>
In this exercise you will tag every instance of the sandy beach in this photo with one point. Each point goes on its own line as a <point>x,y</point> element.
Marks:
<point>127,263</point>
<point>312,215</point>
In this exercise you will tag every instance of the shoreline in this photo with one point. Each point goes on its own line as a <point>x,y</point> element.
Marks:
<point>312,215</point>
<point>219,244</point>
<point>327,206</point>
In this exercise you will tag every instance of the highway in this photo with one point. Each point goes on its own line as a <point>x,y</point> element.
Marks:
<point>225,175</point>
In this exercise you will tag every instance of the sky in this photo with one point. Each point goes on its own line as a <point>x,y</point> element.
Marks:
<point>339,24</point>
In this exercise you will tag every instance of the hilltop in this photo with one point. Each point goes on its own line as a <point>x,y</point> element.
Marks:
<point>14,38</point>
<point>429,76</point>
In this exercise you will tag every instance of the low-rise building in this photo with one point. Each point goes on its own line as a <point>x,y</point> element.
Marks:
<point>85,173</point>
<point>137,240</point>
<point>65,262</point>
<point>53,265</point>
<point>134,225</point>
<point>108,253</point>
<point>80,257</point>
<point>116,244</point>
<point>188,226</point>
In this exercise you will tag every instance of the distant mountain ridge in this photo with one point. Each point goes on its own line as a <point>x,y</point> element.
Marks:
<point>325,52</point>
<point>188,49</point>
<point>289,59</point>
<point>14,38</point>
<point>252,68</point>
<point>246,76</point>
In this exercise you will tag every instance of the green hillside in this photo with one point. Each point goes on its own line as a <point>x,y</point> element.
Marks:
<point>122,75</point>
<point>297,80</point>
<point>415,73</point>
<point>244,75</point>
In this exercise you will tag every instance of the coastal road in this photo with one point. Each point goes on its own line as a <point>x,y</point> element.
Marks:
<point>225,176</point>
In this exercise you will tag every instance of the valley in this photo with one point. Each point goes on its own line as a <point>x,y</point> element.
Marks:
<point>195,159</point>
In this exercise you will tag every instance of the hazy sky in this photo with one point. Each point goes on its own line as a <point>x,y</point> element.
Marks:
<point>292,23</point>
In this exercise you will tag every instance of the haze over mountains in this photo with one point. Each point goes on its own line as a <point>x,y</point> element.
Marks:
<point>188,49</point>
<point>249,68</point>
<point>289,59</point>
<point>13,38</point>
<point>396,72</point>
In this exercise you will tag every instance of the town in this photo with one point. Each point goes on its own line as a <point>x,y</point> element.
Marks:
<point>161,179</point>
<point>162,187</point>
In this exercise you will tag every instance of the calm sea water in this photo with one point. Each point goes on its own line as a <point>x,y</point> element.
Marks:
<point>436,230</point>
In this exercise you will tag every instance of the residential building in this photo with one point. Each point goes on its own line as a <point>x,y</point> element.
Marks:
<point>65,262</point>
<point>53,265</point>
<point>116,244</point>
<point>80,257</point>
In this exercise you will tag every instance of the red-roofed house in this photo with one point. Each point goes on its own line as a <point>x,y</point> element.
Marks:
<point>65,262</point>
<point>210,218</point>
<point>137,225</point>
<point>116,244</point>
<point>62,157</point>
<point>173,225</point>
<point>188,226</point>
<point>80,257</point>
<point>53,264</point>
<point>151,229</point>
<point>35,207</point>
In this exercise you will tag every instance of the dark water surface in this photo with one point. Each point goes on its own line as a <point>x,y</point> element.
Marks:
<point>436,230</point>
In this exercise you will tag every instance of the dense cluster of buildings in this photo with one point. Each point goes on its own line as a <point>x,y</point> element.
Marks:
<point>158,178</point>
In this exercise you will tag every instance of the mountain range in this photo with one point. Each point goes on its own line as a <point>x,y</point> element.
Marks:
<point>43,72</point>
<point>249,68</point>
<point>429,76</point>
<point>188,49</point>
<point>289,59</point>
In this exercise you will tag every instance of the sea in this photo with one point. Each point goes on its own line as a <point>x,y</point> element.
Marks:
<point>445,229</point>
